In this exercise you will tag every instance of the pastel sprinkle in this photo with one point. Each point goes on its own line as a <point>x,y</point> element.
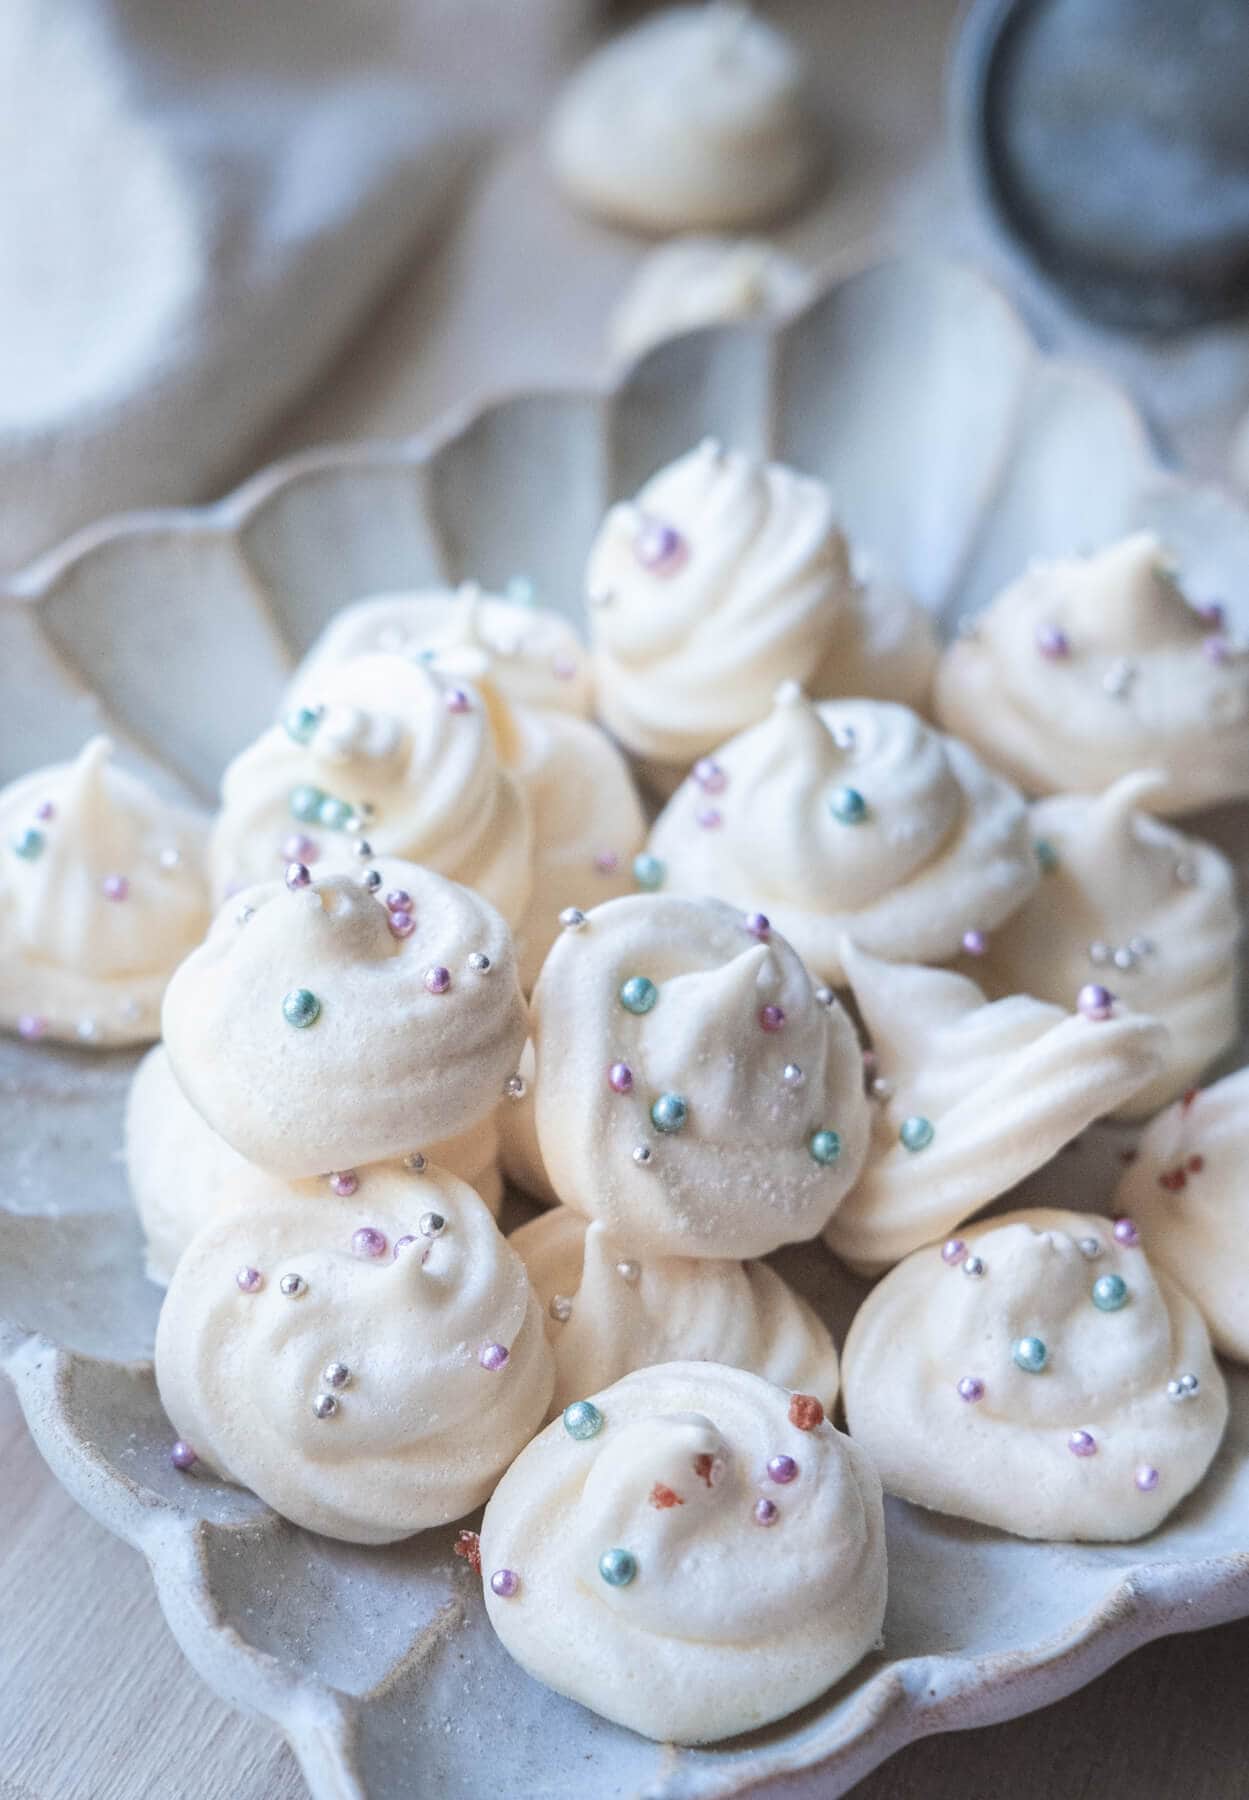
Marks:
<point>582,1420</point>
<point>301,1008</point>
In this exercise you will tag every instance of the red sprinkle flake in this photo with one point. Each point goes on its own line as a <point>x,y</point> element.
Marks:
<point>468,1545</point>
<point>1186,1103</point>
<point>704,1467</point>
<point>1196,1164</point>
<point>805,1412</point>
<point>663,1497</point>
<point>1173,1180</point>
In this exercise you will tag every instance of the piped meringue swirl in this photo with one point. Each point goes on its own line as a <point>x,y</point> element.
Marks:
<point>972,1096</point>
<point>607,1315</point>
<point>851,817</point>
<point>691,282</point>
<point>367,1367</point>
<point>102,893</point>
<point>324,1028</point>
<point>694,1565</point>
<point>691,1090</point>
<point>1088,668</point>
<point>1023,1375</point>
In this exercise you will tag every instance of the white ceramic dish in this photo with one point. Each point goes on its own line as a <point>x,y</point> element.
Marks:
<point>957,451</point>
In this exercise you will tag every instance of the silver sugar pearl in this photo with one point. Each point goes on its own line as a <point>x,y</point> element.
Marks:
<point>881,1088</point>
<point>336,1375</point>
<point>826,996</point>
<point>1099,953</point>
<point>86,1029</point>
<point>514,1087</point>
<point>1090,1248</point>
<point>479,962</point>
<point>792,1075</point>
<point>325,1406</point>
<point>599,598</point>
<point>415,1162</point>
<point>845,737</point>
<point>560,1308</point>
<point>245,913</point>
<point>169,857</point>
<point>431,1224</point>
<point>974,1266</point>
<point>572,918</point>
<point>1119,678</point>
<point>628,1271</point>
<point>292,1286</point>
<point>1124,959</point>
<point>642,1155</point>
<point>371,879</point>
<point>362,848</point>
<point>1141,946</point>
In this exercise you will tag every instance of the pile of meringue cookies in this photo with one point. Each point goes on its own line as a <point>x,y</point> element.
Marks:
<point>849,984</point>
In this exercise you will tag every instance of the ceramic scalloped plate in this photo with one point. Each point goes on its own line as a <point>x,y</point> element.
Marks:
<point>957,451</point>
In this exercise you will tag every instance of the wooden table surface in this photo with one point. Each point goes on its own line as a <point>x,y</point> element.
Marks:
<point>96,1702</point>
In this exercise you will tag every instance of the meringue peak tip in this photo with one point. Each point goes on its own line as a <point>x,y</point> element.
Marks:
<point>789,693</point>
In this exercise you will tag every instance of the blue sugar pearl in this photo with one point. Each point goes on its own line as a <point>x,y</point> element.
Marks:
<point>617,1567</point>
<point>916,1133</point>
<point>301,1008</point>
<point>29,844</point>
<point>847,805</point>
<point>1110,1292</point>
<point>825,1146</point>
<point>333,814</point>
<point>638,994</point>
<point>1029,1354</point>
<point>669,1112</point>
<point>301,723</point>
<point>648,871</point>
<point>1046,855</point>
<point>305,804</point>
<point>582,1420</point>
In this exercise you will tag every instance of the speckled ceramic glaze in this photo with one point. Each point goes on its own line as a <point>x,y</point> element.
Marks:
<point>956,452</point>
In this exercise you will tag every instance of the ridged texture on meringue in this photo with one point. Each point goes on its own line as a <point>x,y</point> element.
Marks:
<point>730,1170</point>
<point>693,120</point>
<point>1126,887</point>
<point>851,817</point>
<point>422,1424</point>
<point>182,1175</point>
<point>1188,1191</point>
<point>406,751</point>
<point>624,1315</point>
<point>102,893</point>
<point>1002,1084</point>
<point>690,282</point>
<point>1089,668</point>
<point>1007,1457</point>
<point>391,1059</point>
<point>535,655</point>
<point>727,1622</point>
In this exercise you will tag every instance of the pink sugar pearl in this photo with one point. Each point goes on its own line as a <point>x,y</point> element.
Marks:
<point>115,887</point>
<point>771,1017</point>
<point>437,979</point>
<point>368,1241</point>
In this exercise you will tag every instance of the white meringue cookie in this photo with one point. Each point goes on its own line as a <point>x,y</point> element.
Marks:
<point>1089,1445</point>
<point>690,282</point>
<point>1091,667</point>
<point>519,1151</point>
<point>1136,906</point>
<point>588,824</point>
<point>976,1095</point>
<point>102,892</point>
<point>724,577</point>
<point>534,653</point>
<point>313,1038</point>
<point>696,119</point>
<point>664,1032</point>
<point>607,1315</point>
<point>748,1596</point>
<point>182,1175</point>
<point>399,754</point>
<point>851,817</point>
<point>388,1392</point>
<point>1188,1192</point>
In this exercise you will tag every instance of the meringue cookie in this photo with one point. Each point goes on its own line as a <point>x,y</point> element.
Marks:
<point>182,1175</point>
<point>690,1088</point>
<point>1132,904</point>
<point>684,1557</point>
<point>851,817</point>
<point>690,282</point>
<point>102,893</point>
<point>534,653</point>
<point>1089,668</point>
<point>388,1391</point>
<point>313,1034</point>
<point>1188,1192</point>
<point>696,119</point>
<point>973,1096</point>
<point>608,1315</point>
<point>519,1153</point>
<point>588,825</point>
<point>724,577</point>
<point>390,750</point>
<point>1019,1376</point>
